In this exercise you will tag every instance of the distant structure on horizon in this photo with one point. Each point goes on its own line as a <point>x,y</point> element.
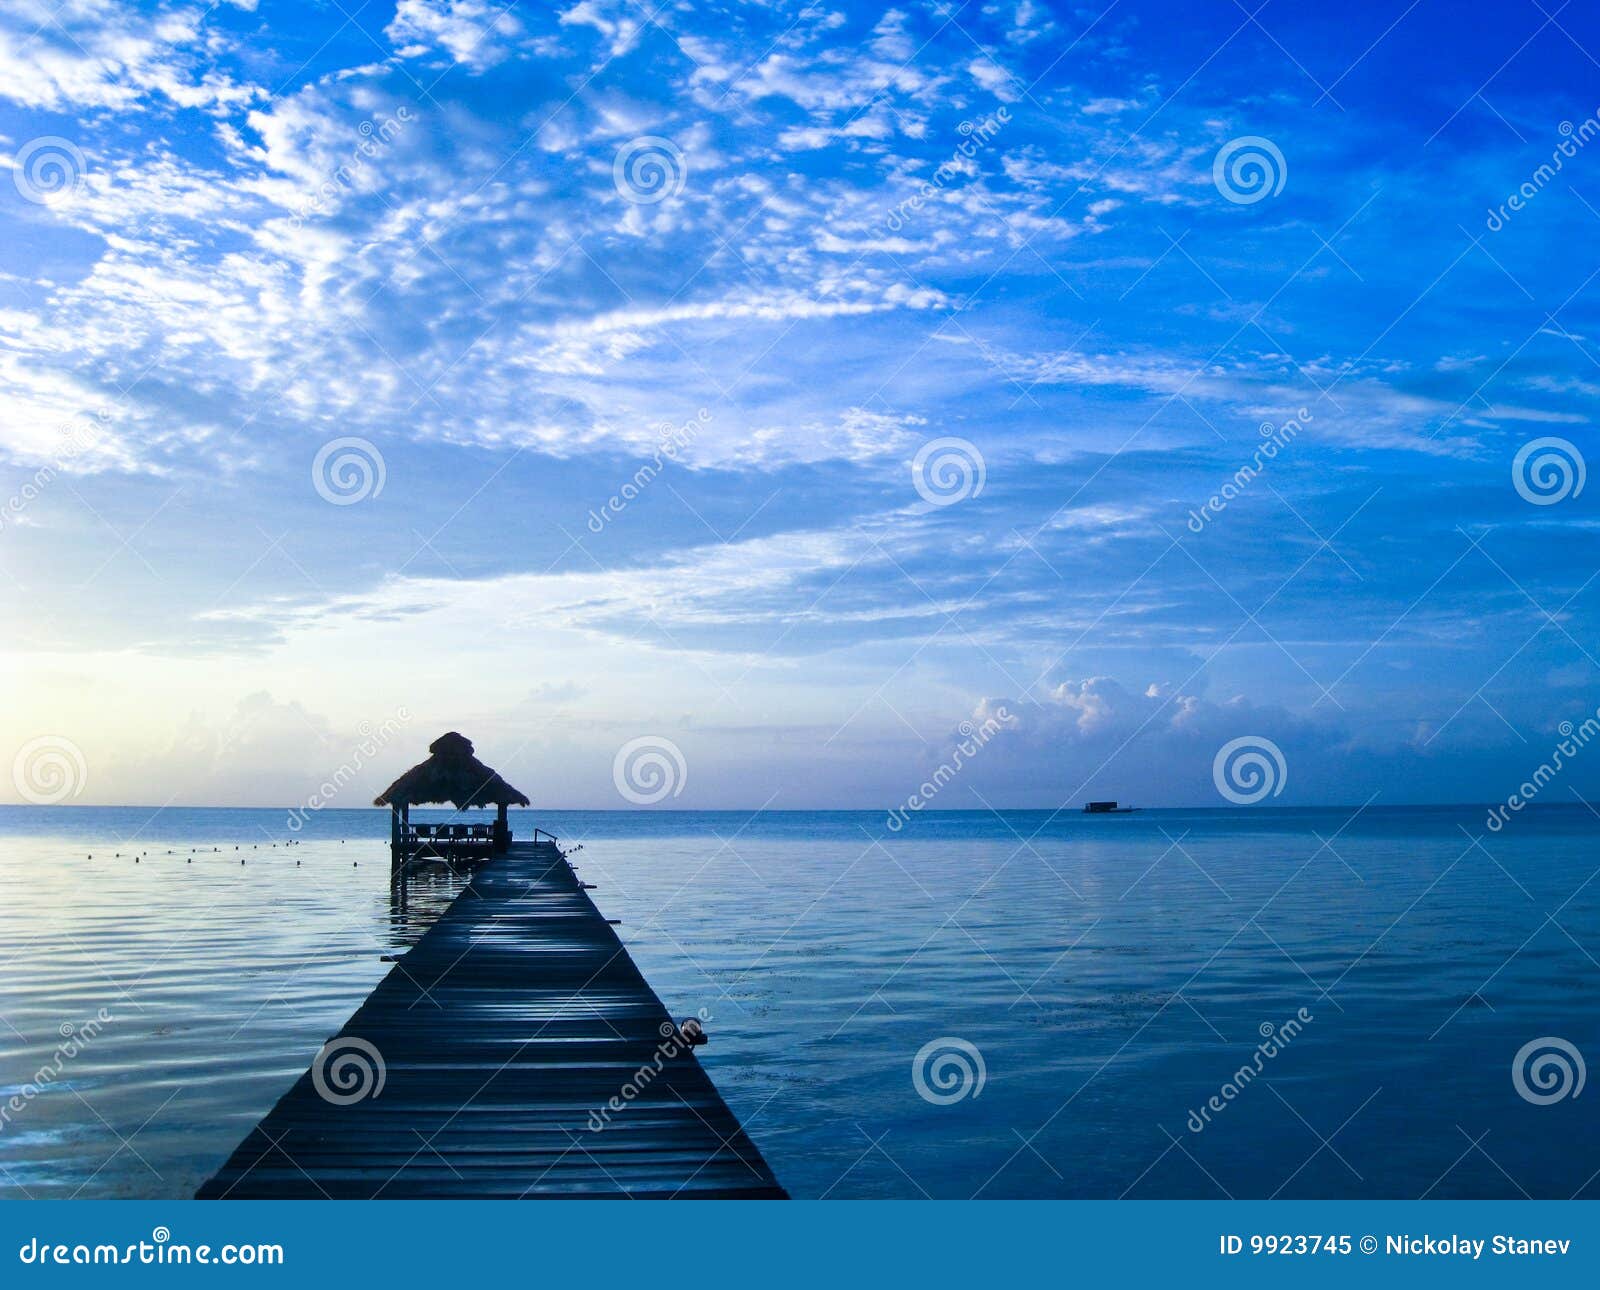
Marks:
<point>1108,808</point>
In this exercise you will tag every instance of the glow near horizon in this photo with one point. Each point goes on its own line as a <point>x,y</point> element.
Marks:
<point>998,224</point>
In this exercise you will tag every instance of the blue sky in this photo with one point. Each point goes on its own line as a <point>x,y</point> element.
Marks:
<point>513,251</point>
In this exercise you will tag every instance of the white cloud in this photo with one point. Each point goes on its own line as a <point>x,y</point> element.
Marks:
<point>98,54</point>
<point>474,33</point>
<point>991,76</point>
<point>619,24</point>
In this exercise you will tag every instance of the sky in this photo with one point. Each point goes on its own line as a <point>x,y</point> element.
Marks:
<point>799,405</point>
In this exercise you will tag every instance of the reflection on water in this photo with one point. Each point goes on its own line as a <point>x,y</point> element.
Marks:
<point>159,996</point>
<point>1109,975</point>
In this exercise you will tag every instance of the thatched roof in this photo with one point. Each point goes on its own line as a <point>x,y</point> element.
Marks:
<point>451,775</point>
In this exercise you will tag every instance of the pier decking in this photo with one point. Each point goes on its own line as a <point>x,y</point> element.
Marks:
<point>504,1034</point>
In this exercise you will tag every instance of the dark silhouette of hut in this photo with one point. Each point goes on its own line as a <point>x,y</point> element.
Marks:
<point>453,776</point>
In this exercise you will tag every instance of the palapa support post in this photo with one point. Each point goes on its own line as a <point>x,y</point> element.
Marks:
<point>502,830</point>
<point>396,840</point>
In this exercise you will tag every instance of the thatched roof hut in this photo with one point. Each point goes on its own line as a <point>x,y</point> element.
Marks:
<point>451,775</point>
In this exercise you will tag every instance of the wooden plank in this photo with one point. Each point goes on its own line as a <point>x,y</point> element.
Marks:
<point>504,1035</point>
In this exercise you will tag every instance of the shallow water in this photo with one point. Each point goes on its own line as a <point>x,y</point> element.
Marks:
<point>1110,975</point>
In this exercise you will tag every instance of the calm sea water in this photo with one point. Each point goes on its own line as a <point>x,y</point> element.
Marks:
<point>1110,976</point>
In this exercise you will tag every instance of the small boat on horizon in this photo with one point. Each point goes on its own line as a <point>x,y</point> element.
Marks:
<point>1108,808</point>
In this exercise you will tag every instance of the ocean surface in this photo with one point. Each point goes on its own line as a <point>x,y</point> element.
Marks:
<point>980,1004</point>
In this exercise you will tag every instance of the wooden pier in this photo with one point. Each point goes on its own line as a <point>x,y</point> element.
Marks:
<point>522,1055</point>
